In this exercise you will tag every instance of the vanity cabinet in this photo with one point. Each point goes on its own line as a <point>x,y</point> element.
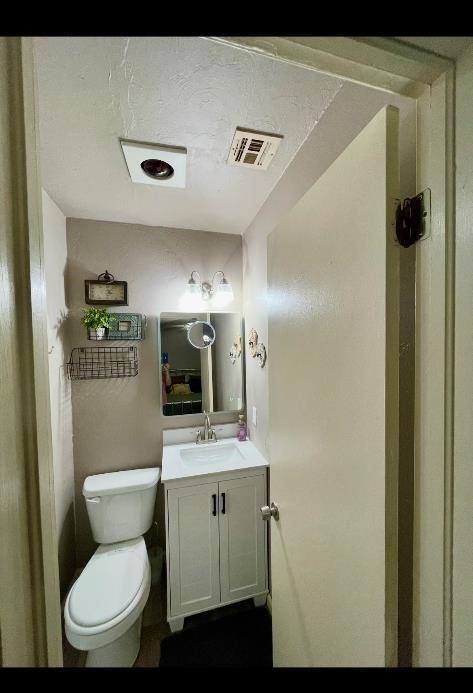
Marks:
<point>216,542</point>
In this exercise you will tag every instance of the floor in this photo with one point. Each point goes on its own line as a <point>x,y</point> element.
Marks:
<point>236,639</point>
<point>155,627</point>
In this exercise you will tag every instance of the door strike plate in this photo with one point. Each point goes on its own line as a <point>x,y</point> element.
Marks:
<point>413,219</point>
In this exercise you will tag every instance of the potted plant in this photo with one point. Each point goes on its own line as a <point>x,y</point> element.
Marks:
<point>96,320</point>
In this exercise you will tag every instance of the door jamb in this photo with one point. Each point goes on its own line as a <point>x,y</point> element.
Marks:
<point>30,610</point>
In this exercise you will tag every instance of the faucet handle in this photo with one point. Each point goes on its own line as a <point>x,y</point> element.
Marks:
<point>199,436</point>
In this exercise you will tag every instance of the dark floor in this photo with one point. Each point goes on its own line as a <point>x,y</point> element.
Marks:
<point>235,640</point>
<point>234,635</point>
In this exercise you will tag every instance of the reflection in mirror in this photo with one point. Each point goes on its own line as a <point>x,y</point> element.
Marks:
<point>200,334</point>
<point>200,368</point>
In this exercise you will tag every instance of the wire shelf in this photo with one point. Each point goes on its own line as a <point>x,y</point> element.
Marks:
<point>87,363</point>
<point>127,326</point>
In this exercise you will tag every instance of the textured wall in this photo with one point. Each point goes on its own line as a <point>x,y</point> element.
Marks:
<point>118,423</point>
<point>55,259</point>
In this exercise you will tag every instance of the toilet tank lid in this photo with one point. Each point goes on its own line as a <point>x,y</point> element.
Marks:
<point>120,482</point>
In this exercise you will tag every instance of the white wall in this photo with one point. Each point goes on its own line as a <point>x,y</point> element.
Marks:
<point>311,161</point>
<point>118,423</point>
<point>463,462</point>
<point>55,259</point>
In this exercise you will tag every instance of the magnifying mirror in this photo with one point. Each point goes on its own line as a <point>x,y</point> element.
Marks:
<point>200,334</point>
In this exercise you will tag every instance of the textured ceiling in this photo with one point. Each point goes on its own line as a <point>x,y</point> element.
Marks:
<point>177,91</point>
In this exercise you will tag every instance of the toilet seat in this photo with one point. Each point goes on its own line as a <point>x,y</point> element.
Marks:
<point>105,588</point>
<point>109,594</point>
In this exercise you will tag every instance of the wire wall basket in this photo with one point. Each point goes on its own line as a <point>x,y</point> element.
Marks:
<point>128,326</point>
<point>88,363</point>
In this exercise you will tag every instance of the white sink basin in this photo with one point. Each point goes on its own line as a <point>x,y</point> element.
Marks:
<point>207,454</point>
<point>186,460</point>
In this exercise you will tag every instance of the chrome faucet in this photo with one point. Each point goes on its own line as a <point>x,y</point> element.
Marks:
<point>209,434</point>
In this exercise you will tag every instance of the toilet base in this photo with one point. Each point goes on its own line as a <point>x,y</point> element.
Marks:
<point>122,652</point>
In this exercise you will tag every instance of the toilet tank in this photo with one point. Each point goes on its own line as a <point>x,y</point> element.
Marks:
<point>120,505</point>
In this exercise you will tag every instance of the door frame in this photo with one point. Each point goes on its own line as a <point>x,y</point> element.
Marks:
<point>395,67</point>
<point>30,609</point>
<point>378,62</point>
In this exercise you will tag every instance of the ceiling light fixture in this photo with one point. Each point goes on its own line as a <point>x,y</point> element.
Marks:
<point>222,292</point>
<point>155,168</point>
<point>155,164</point>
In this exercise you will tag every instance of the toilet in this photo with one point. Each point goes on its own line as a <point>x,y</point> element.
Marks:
<point>104,607</point>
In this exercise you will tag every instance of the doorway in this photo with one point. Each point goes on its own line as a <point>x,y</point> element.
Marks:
<point>423,268</point>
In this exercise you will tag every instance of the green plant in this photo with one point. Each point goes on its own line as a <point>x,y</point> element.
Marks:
<point>95,318</point>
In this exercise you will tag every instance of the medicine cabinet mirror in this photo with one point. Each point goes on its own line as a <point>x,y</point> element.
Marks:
<point>201,368</point>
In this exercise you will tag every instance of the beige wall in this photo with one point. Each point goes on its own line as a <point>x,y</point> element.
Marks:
<point>226,376</point>
<point>463,466</point>
<point>304,170</point>
<point>118,423</point>
<point>55,259</point>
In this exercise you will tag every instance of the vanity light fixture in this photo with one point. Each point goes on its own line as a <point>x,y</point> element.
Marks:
<point>222,292</point>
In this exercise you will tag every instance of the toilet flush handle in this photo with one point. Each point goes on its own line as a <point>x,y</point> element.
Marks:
<point>96,499</point>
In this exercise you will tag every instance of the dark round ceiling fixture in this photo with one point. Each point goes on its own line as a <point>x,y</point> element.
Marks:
<point>155,168</point>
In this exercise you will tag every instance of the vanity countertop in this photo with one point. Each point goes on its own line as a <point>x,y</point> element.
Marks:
<point>186,460</point>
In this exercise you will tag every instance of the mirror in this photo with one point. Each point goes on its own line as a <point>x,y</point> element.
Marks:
<point>200,334</point>
<point>201,362</point>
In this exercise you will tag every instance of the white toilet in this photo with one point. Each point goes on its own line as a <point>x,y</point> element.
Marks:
<point>103,610</point>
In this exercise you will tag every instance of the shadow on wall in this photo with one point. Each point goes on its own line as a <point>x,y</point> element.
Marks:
<point>66,550</point>
<point>61,428</point>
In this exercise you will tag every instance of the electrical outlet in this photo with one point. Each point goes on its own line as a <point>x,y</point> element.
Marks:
<point>254,416</point>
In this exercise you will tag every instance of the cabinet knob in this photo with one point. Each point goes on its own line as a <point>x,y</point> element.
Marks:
<point>268,512</point>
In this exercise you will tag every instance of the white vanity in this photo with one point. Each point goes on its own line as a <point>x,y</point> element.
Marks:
<point>216,539</point>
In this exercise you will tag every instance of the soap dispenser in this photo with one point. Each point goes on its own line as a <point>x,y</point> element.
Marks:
<point>241,428</point>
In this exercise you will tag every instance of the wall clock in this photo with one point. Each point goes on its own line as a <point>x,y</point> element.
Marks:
<point>105,291</point>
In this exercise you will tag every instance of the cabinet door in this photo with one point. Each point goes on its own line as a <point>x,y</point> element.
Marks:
<point>242,537</point>
<point>193,548</point>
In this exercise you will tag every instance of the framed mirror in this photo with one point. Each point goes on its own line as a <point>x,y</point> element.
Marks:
<point>201,362</point>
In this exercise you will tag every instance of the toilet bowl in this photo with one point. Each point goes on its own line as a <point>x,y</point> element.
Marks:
<point>104,607</point>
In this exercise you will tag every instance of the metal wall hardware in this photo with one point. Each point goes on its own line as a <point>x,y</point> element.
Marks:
<point>125,326</point>
<point>88,363</point>
<point>268,512</point>
<point>413,219</point>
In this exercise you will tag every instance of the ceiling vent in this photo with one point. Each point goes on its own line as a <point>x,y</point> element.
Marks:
<point>253,149</point>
